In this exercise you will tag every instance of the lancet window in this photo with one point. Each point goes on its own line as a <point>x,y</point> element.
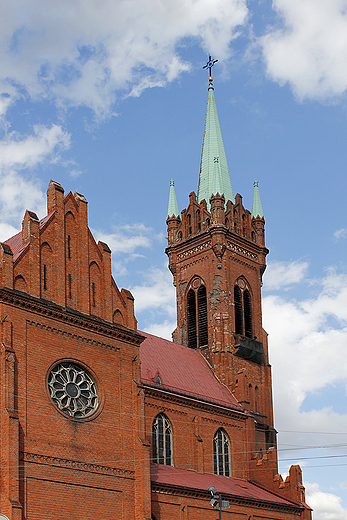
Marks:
<point>197,315</point>
<point>221,453</point>
<point>243,309</point>
<point>162,440</point>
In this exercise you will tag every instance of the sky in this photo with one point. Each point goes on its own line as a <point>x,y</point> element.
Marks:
<point>109,97</point>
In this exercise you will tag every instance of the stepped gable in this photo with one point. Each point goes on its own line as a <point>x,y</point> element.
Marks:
<point>16,242</point>
<point>57,259</point>
<point>182,370</point>
<point>230,486</point>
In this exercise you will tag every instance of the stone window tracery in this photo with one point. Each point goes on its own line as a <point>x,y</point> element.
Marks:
<point>73,390</point>
<point>221,453</point>
<point>162,440</point>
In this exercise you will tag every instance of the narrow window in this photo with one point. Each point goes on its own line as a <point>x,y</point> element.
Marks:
<point>162,440</point>
<point>191,315</point>
<point>227,223</point>
<point>69,247</point>
<point>45,277</point>
<point>247,314</point>
<point>93,294</point>
<point>250,396</point>
<point>253,236</point>
<point>238,311</point>
<point>189,225</point>
<point>208,222</point>
<point>69,285</point>
<point>256,399</point>
<point>221,453</point>
<point>198,218</point>
<point>202,316</point>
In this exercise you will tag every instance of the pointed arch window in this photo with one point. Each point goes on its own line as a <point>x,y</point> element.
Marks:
<point>162,440</point>
<point>198,219</point>
<point>197,315</point>
<point>189,219</point>
<point>221,453</point>
<point>243,309</point>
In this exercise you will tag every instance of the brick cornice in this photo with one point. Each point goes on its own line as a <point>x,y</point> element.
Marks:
<point>76,465</point>
<point>69,316</point>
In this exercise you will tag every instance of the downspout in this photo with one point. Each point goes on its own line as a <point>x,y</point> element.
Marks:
<point>247,446</point>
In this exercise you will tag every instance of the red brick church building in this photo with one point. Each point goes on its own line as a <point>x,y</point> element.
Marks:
<point>101,421</point>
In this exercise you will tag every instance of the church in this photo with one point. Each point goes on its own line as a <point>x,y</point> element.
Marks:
<point>99,420</point>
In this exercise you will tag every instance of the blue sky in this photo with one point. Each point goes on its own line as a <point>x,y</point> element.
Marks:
<point>109,99</point>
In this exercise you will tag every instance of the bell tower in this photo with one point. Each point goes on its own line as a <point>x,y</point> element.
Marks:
<point>217,252</point>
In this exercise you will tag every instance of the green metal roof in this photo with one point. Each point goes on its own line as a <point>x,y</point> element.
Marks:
<point>173,207</point>
<point>214,174</point>
<point>257,210</point>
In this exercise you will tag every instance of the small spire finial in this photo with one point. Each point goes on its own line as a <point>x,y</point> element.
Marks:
<point>173,207</point>
<point>257,210</point>
<point>209,65</point>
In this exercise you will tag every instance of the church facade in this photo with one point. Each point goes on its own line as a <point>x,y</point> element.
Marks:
<point>100,420</point>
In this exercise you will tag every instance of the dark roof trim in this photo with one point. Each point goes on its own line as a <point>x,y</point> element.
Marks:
<point>192,397</point>
<point>71,316</point>
<point>236,499</point>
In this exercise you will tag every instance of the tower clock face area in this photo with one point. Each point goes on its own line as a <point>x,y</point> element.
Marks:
<point>73,390</point>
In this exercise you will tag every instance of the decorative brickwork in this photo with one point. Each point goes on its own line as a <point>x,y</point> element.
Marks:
<point>68,332</point>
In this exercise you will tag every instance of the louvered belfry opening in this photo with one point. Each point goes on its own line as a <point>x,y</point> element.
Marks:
<point>202,316</point>
<point>197,315</point>
<point>247,308</point>
<point>238,311</point>
<point>243,309</point>
<point>191,318</point>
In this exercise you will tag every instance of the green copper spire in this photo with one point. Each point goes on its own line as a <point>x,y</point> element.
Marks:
<point>173,207</point>
<point>257,210</point>
<point>214,174</point>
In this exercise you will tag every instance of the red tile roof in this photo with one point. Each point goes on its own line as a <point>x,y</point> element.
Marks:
<point>16,244</point>
<point>182,370</point>
<point>185,478</point>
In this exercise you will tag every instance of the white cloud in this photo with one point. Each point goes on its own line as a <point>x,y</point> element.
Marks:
<point>27,152</point>
<point>302,330</point>
<point>19,188</point>
<point>307,341</point>
<point>127,238</point>
<point>80,53</point>
<point>284,274</point>
<point>326,506</point>
<point>340,233</point>
<point>163,330</point>
<point>309,50</point>
<point>157,293</point>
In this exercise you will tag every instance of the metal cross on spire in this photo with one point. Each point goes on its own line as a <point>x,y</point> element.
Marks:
<point>210,64</point>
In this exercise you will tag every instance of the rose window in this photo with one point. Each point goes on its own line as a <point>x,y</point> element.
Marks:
<point>73,390</point>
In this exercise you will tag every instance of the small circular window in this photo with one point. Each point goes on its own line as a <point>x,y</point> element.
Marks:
<point>73,390</point>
